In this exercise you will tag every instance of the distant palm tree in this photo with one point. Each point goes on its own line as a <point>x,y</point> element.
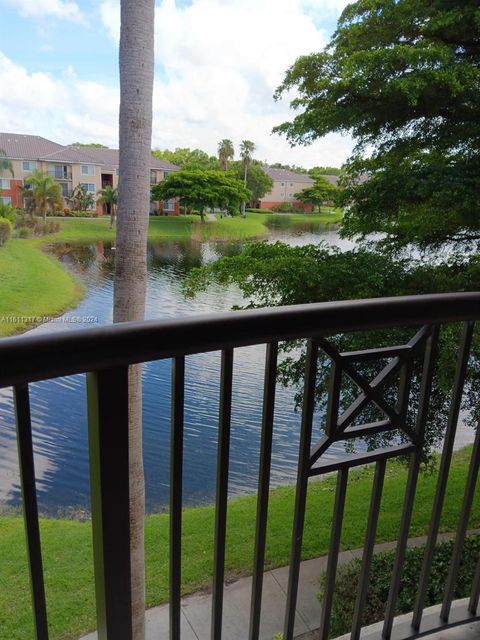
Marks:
<point>247,147</point>
<point>43,193</point>
<point>5,163</point>
<point>109,197</point>
<point>225,153</point>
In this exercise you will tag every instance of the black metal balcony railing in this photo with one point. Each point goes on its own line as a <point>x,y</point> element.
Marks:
<point>107,352</point>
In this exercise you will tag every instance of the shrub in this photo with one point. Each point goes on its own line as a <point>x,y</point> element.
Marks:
<point>23,232</point>
<point>346,585</point>
<point>89,213</point>
<point>5,230</point>
<point>8,212</point>
<point>250,210</point>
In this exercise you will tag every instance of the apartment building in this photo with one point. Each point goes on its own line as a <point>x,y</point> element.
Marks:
<point>285,185</point>
<point>69,166</point>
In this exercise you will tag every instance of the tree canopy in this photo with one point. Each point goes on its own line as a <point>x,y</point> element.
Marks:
<point>321,191</point>
<point>202,189</point>
<point>402,77</point>
<point>187,158</point>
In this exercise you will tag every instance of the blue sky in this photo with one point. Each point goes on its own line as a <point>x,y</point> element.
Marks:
<point>217,65</point>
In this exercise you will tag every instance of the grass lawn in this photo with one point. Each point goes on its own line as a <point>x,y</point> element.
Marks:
<point>32,283</point>
<point>68,556</point>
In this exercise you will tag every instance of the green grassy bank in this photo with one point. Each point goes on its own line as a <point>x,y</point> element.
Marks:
<point>32,284</point>
<point>68,555</point>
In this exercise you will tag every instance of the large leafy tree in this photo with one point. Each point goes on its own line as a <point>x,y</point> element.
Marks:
<point>202,189</point>
<point>402,77</point>
<point>225,153</point>
<point>135,132</point>
<point>277,274</point>
<point>321,191</point>
<point>42,192</point>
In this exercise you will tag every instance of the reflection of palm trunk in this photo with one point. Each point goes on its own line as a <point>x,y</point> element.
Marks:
<point>136,85</point>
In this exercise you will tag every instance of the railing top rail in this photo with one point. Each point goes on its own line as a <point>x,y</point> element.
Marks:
<point>39,357</point>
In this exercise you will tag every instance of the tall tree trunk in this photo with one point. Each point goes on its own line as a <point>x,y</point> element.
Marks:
<point>244,204</point>
<point>136,88</point>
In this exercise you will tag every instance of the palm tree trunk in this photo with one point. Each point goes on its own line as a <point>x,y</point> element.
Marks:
<point>242,211</point>
<point>136,87</point>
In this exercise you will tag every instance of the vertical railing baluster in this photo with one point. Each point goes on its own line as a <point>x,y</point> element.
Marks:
<point>263,487</point>
<point>368,548</point>
<point>176,491</point>
<point>410,489</point>
<point>462,528</point>
<point>30,509</point>
<point>223,456</point>
<point>302,485</point>
<point>332,561</point>
<point>455,405</point>
<point>108,431</point>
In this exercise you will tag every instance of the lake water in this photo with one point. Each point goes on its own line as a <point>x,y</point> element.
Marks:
<point>59,410</point>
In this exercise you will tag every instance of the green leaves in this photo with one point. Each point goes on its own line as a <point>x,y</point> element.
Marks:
<point>403,78</point>
<point>201,189</point>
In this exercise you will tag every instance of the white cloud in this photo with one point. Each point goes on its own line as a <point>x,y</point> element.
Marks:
<point>63,9</point>
<point>218,64</point>
<point>63,108</point>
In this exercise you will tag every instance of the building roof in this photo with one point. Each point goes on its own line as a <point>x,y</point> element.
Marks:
<point>71,154</point>
<point>110,159</point>
<point>18,146</point>
<point>285,174</point>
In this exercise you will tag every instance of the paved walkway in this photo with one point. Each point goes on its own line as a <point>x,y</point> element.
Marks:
<point>196,609</point>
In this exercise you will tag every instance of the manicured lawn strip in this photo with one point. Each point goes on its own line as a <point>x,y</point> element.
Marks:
<point>68,556</point>
<point>233,228</point>
<point>32,283</point>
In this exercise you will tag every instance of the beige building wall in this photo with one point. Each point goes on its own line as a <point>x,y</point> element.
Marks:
<point>285,190</point>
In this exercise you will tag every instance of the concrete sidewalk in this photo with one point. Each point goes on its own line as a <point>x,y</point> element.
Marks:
<point>196,609</point>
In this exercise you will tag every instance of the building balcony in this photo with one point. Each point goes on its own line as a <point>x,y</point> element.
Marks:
<point>408,367</point>
<point>60,175</point>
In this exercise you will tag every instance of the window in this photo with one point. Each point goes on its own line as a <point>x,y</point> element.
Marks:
<point>65,189</point>
<point>88,169</point>
<point>89,186</point>
<point>290,195</point>
<point>282,184</point>
<point>60,172</point>
<point>28,165</point>
<point>5,200</point>
<point>153,177</point>
<point>4,183</point>
<point>291,184</point>
<point>166,174</point>
<point>169,205</point>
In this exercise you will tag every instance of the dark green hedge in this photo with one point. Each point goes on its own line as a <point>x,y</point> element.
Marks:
<point>347,583</point>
